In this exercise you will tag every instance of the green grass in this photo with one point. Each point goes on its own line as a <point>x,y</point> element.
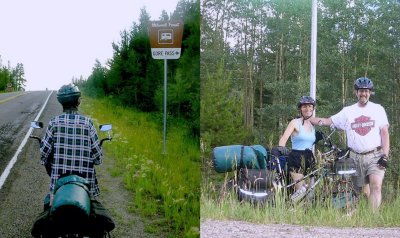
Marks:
<point>165,186</point>
<point>217,203</point>
<point>220,203</point>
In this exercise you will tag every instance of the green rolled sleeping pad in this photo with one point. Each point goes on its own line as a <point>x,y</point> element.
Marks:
<point>71,200</point>
<point>231,157</point>
<point>262,155</point>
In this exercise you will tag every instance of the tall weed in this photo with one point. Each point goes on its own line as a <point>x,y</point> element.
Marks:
<point>165,185</point>
<point>215,204</point>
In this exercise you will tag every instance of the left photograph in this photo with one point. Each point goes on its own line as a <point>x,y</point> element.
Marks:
<point>100,119</point>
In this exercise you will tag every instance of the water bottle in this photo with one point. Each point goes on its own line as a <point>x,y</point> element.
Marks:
<point>299,194</point>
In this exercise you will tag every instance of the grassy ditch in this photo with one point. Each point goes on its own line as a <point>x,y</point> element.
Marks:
<point>165,186</point>
<point>221,203</point>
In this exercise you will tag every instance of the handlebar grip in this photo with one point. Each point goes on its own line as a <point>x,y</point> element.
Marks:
<point>36,137</point>
<point>104,139</point>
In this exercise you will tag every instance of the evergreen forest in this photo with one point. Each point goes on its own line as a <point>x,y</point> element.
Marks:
<point>255,65</point>
<point>12,79</point>
<point>134,79</point>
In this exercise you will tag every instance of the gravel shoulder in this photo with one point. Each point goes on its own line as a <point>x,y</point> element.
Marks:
<point>233,229</point>
<point>119,202</point>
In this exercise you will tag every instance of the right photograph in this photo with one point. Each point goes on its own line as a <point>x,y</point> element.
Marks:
<point>299,118</point>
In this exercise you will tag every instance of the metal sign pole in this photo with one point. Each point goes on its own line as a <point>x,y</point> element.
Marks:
<point>165,106</point>
<point>165,41</point>
<point>313,66</point>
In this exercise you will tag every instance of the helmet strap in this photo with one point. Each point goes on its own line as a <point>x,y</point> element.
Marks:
<point>304,118</point>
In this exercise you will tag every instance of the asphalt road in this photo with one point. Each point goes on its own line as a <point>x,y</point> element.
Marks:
<point>17,110</point>
<point>6,96</point>
<point>21,197</point>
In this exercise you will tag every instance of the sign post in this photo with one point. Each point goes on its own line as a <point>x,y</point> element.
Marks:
<point>165,42</point>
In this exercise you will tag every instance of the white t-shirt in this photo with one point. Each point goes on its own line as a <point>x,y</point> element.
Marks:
<point>362,125</point>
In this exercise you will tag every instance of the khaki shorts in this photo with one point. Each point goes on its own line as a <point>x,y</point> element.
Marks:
<point>365,166</point>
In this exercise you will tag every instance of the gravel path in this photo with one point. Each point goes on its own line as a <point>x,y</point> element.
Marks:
<point>233,229</point>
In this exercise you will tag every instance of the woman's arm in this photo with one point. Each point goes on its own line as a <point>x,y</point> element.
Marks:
<point>288,132</point>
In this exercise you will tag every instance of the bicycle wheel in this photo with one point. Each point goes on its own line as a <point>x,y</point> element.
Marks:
<point>344,194</point>
<point>255,185</point>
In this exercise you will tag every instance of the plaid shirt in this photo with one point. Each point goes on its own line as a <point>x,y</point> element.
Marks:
<point>73,140</point>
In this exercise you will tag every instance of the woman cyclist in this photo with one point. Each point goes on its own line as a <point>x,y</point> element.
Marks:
<point>302,134</point>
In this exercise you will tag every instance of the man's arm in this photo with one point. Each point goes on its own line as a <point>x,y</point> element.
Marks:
<point>385,139</point>
<point>319,121</point>
<point>96,149</point>
<point>46,145</point>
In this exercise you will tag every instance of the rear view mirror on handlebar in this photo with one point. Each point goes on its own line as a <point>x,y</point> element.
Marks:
<point>36,124</point>
<point>105,127</point>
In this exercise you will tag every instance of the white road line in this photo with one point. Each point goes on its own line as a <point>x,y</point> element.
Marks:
<point>7,170</point>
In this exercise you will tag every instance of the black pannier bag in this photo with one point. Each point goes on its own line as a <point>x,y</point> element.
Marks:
<point>254,185</point>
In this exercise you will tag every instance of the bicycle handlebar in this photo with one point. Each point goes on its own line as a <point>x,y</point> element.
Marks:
<point>36,137</point>
<point>104,139</point>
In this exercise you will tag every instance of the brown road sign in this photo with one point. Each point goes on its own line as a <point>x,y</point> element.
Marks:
<point>166,39</point>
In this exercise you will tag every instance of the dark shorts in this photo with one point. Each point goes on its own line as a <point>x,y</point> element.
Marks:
<point>301,161</point>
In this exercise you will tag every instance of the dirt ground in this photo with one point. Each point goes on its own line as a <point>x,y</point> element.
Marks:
<point>233,229</point>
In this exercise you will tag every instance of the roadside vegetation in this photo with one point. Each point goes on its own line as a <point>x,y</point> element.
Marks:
<point>128,92</point>
<point>219,201</point>
<point>228,208</point>
<point>11,79</point>
<point>165,186</point>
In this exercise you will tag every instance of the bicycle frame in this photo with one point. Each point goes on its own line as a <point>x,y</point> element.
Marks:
<point>325,172</point>
<point>251,185</point>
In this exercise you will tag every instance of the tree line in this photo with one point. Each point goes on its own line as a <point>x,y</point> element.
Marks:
<point>132,77</point>
<point>255,64</point>
<point>12,79</point>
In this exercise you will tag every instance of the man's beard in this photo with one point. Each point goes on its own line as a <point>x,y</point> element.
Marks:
<point>363,100</point>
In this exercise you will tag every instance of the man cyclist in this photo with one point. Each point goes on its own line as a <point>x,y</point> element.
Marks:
<point>71,146</point>
<point>367,131</point>
<point>71,143</point>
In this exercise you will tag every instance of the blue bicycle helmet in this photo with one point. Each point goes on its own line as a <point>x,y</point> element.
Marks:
<point>305,100</point>
<point>68,94</point>
<point>363,83</point>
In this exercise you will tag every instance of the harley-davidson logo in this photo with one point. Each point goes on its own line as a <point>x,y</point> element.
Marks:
<point>362,125</point>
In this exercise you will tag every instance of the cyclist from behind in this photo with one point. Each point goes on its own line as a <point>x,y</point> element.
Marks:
<point>71,146</point>
<point>302,134</point>
<point>367,131</point>
<point>71,143</point>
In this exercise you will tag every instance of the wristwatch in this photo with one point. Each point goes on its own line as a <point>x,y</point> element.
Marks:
<point>320,123</point>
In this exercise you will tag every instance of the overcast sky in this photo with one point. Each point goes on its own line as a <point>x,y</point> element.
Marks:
<point>58,39</point>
